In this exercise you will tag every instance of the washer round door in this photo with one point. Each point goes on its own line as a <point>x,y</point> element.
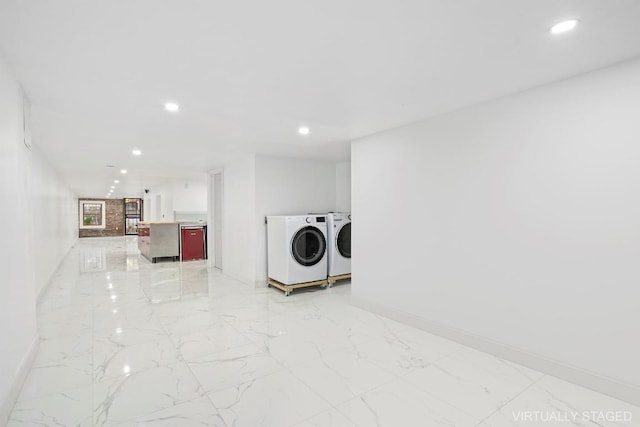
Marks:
<point>308,246</point>
<point>343,241</point>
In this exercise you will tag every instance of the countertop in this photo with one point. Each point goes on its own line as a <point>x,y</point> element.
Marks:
<point>156,222</point>
<point>180,223</point>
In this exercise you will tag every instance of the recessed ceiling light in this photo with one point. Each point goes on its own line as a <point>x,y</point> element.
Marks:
<point>123,171</point>
<point>136,152</point>
<point>116,181</point>
<point>113,186</point>
<point>171,106</point>
<point>303,130</point>
<point>564,26</point>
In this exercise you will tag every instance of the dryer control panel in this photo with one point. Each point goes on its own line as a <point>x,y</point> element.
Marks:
<point>311,219</point>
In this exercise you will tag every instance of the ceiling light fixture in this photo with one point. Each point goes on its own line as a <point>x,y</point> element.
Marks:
<point>116,181</point>
<point>564,26</point>
<point>303,130</point>
<point>171,106</point>
<point>136,152</point>
<point>123,171</point>
<point>113,186</point>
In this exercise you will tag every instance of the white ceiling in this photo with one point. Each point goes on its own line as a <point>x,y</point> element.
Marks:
<point>248,73</point>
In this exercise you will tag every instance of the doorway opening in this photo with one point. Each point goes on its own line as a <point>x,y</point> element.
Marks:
<point>215,212</point>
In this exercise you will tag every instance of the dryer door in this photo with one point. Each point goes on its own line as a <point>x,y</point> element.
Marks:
<point>343,240</point>
<point>308,246</point>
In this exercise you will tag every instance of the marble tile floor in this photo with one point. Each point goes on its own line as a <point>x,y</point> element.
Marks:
<point>125,342</point>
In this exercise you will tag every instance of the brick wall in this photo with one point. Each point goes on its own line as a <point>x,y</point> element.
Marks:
<point>114,219</point>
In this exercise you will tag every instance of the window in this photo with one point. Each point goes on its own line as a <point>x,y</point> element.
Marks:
<point>92,214</point>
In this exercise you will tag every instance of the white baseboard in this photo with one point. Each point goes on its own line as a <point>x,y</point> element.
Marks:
<point>44,288</point>
<point>575,375</point>
<point>18,381</point>
<point>252,283</point>
<point>239,278</point>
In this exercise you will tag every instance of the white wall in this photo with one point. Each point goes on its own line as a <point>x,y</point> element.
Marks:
<point>18,333</point>
<point>39,218</point>
<point>55,219</point>
<point>182,195</point>
<point>343,187</point>
<point>165,191</point>
<point>517,221</point>
<point>257,186</point>
<point>147,206</point>
<point>239,231</point>
<point>287,186</point>
<point>190,195</point>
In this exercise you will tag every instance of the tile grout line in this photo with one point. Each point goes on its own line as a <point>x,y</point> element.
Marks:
<point>206,393</point>
<point>309,312</point>
<point>509,401</point>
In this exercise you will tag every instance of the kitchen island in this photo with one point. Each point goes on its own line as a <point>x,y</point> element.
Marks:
<point>159,240</point>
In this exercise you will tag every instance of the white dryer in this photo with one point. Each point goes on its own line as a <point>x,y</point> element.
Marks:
<point>297,248</point>
<point>339,237</point>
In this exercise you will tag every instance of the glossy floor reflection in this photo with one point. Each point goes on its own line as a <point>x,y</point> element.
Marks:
<point>126,342</point>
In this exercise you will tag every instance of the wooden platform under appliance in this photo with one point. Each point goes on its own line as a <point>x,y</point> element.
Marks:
<point>290,288</point>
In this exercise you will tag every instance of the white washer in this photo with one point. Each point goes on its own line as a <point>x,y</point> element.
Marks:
<point>339,237</point>
<point>297,248</point>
